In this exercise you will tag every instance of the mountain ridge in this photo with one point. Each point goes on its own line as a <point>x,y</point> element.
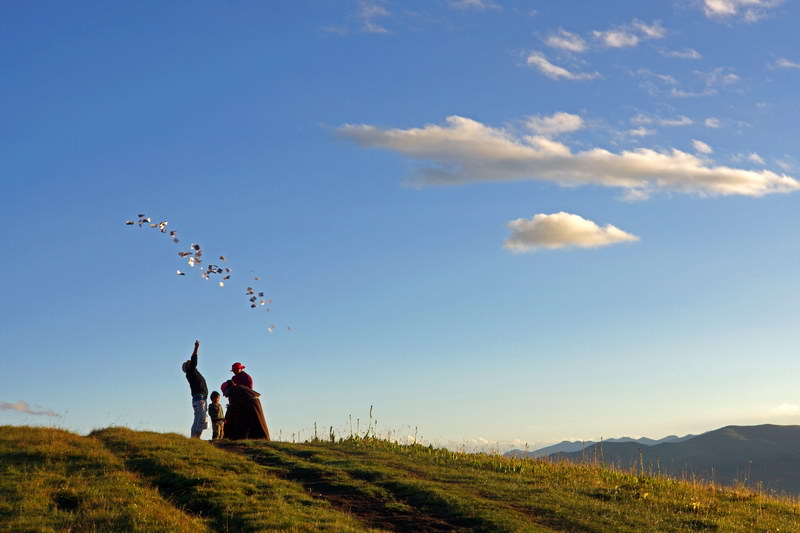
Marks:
<point>767,455</point>
<point>577,446</point>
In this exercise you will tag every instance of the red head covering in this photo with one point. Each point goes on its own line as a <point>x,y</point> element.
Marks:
<point>237,366</point>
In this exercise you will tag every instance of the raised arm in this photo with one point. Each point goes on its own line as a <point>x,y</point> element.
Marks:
<point>194,354</point>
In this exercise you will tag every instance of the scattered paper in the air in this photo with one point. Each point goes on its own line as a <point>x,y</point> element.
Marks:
<point>193,257</point>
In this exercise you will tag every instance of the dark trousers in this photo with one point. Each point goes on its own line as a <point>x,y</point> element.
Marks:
<point>218,427</point>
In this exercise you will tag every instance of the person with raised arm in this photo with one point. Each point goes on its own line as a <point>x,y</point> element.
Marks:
<point>197,384</point>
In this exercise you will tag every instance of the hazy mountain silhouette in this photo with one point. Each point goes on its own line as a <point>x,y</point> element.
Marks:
<point>567,446</point>
<point>766,454</point>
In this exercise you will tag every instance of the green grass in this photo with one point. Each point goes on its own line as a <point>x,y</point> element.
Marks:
<point>230,492</point>
<point>53,480</point>
<point>122,480</point>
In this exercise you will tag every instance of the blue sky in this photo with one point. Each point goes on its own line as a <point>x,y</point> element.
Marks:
<point>497,222</point>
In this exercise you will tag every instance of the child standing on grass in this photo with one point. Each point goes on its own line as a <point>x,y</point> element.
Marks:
<point>217,417</point>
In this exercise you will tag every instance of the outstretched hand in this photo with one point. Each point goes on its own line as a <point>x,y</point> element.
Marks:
<point>196,346</point>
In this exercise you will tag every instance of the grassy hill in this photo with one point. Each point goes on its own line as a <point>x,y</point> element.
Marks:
<point>767,455</point>
<point>117,479</point>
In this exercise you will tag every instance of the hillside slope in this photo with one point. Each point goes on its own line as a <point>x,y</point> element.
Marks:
<point>768,455</point>
<point>117,479</point>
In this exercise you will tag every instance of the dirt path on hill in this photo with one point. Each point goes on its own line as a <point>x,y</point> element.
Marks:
<point>372,512</point>
<point>541,516</point>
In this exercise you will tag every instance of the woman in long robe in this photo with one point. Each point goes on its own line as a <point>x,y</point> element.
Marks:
<point>245,417</point>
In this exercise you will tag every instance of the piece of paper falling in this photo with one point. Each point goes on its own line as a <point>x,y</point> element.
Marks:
<point>193,258</point>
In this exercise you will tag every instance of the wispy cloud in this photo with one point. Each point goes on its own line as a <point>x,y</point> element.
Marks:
<point>561,230</point>
<point>680,120</point>
<point>364,20</point>
<point>538,60</point>
<point>786,409</point>
<point>465,151</point>
<point>666,85</point>
<point>785,164</point>
<point>565,40</point>
<point>369,12</point>
<point>701,147</point>
<point>23,407</point>
<point>629,34</point>
<point>681,93</point>
<point>712,122</point>
<point>686,53</point>
<point>653,83</point>
<point>479,5</point>
<point>752,157</point>
<point>641,131</point>
<point>718,76</point>
<point>785,63</point>
<point>746,10</point>
<point>554,124</point>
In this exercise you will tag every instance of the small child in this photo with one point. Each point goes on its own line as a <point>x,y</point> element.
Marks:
<point>217,417</point>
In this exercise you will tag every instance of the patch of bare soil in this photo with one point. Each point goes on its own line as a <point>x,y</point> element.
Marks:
<point>373,513</point>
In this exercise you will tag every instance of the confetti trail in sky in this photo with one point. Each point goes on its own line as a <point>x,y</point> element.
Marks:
<point>194,257</point>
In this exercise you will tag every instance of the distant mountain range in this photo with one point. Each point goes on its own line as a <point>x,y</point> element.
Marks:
<point>765,455</point>
<point>566,446</point>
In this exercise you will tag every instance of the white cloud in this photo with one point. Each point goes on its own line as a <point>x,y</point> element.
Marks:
<point>561,230</point>
<point>641,132</point>
<point>750,156</point>
<point>680,120</point>
<point>747,10</point>
<point>538,60</point>
<point>686,53</point>
<point>700,146</point>
<point>712,122</point>
<point>369,11</point>
<point>654,83</point>
<point>665,85</point>
<point>554,124</point>
<point>785,63</point>
<point>480,5</point>
<point>663,78</point>
<point>565,40</point>
<point>786,409</point>
<point>465,151</point>
<point>630,34</point>
<point>680,93</point>
<point>785,165</point>
<point>617,38</point>
<point>23,407</point>
<point>652,31</point>
<point>718,76</point>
